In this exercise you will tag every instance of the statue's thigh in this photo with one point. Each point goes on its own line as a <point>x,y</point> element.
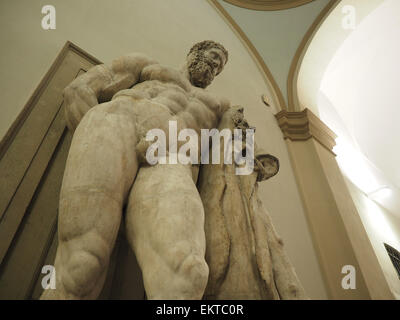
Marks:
<point>102,153</point>
<point>100,169</point>
<point>165,217</point>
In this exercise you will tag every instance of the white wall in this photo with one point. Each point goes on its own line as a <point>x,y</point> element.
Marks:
<point>323,47</point>
<point>340,95</point>
<point>165,30</point>
<point>382,227</point>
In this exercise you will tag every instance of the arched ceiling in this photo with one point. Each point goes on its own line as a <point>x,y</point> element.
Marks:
<point>276,35</point>
<point>349,77</point>
<point>267,5</point>
<point>362,83</point>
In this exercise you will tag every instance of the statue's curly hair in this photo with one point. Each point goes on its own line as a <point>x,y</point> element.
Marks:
<point>208,44</point>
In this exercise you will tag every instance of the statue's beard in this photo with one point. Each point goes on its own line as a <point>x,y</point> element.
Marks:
<point>200,70</point>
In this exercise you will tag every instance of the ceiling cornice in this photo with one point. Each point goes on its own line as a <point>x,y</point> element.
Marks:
<point>268,5</point>
<point>303,125</point>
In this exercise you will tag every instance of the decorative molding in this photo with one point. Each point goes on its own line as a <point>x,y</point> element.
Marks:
<point>303,125</point>
<point>253,53</point>
<point>268,5</point>
<point>18,122</point>
<point>32,160</point>
<point>293,100</point>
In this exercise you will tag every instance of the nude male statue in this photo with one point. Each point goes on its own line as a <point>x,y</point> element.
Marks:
<point>112,108</point>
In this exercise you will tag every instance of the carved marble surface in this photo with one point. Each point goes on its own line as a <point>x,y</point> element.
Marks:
<point>190,241</point>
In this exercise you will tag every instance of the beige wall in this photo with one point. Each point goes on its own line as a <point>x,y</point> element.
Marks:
<point>165,30</point>
<point>382,227</point>
<point>315,167</point>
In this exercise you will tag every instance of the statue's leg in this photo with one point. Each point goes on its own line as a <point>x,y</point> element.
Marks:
<point>100,169</point>
<point>165,227</point>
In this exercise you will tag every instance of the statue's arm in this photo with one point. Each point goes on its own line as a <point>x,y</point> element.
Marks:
<point>225,104</point>
<point>100,83</point>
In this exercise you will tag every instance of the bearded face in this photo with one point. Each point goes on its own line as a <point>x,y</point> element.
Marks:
<point>203,66</point>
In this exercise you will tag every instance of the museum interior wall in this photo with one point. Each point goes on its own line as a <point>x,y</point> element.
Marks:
<point>348,219</point>
<point>276,34</point>
<point>382,227</point>
<point>316,48</point>
<point>345,77</point>
<point>328,211</point>
<point>165,31</point>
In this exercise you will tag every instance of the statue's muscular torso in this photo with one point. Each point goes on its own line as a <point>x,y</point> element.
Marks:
<point>112,107</point>
<point>145,91</point>
<point>164,94</point>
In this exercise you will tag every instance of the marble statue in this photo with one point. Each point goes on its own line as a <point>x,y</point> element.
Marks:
<point>245,256</point>
<point>169,219</point>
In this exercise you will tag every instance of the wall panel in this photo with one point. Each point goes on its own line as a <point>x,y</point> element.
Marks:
<point>32,162</point>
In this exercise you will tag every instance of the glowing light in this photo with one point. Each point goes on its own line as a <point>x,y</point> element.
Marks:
<point>355,167</point>
<point>381,194</point>
<point>378,222</point>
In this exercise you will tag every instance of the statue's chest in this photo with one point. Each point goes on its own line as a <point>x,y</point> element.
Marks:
<point>161,80</point>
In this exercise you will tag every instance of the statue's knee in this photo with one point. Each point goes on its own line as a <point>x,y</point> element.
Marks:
<point>82,272</point>
<point>195,269</point>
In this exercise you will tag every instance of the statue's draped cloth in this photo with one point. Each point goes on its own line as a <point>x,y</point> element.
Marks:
<point>245,256</point>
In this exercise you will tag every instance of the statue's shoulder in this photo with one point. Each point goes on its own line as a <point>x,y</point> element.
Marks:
<point>222,101</point>
<point>133,62</point>
<point>215,102</point>
<point>165,74</point>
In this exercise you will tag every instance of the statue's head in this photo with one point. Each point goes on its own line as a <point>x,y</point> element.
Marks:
<point>205,60</point>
